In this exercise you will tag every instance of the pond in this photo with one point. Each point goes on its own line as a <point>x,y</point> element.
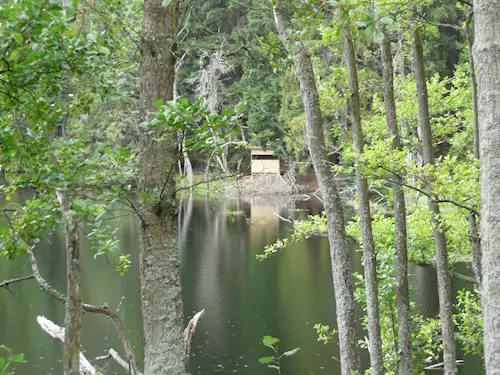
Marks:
<point>244,299</point>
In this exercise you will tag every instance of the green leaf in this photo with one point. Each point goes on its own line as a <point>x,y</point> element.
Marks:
<point>266,360</point>
<point>378,37</point>
<point>104,50</point>
<point>2,362</point>
<point>17,358</point>
<point>71,33</point>
<point>361,23</point>
<point>14,54</point>
<point>227,112</point>
<point>269,340</point>
<point>6,348</point>
<point>18,37</point>
<point>370,30</point>
<point>158,104</point>
<point>386,20</point>
<point>166,3</point>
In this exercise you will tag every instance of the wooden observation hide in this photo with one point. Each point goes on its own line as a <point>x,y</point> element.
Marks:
<point>264,161</point>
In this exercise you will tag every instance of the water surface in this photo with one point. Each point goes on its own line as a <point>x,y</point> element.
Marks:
<point>244,299</point>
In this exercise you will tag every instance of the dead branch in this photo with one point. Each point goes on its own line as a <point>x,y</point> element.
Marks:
<point>6,283</point>
<point>44,285</point>
<point>190,331</point>
<point>104,310</point>
<point>113,354</point>
<point>289,220</point>
<point>57,332</point>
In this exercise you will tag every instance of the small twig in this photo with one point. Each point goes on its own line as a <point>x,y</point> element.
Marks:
<point>289,220</point>
<point>317,196</point>
<point>5,283</point>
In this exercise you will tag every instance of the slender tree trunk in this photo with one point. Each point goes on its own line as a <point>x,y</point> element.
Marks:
<point>443,275</point>
<point>405,365</point>
<point>339,249</point>
<point>475,241</point>
<point>486,52</point>
<point>74,312</point>
<point>162,310</point>
<point>370,259</point>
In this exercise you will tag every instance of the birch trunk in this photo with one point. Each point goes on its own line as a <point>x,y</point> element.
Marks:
<point>442,269</point>
<point>370,260</point>
<point>405,365</point>
<point>486,52</point>
<point>339,249</point>
<point>73,304</point>
<point>162,310</point>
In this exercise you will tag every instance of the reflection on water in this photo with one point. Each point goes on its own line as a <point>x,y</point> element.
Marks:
<point>243,299</point>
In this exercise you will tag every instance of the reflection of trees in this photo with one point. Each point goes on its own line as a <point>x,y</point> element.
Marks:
<point>185,215</point>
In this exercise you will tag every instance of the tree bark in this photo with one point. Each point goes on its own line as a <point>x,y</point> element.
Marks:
<point>486,52</point>
<point>405,365</point>
<point>162,310</point>
<point>370,259</point>
<point>339,249</point>
<point>475,240</point>
<point>442,269</point>
<point>73,314</point>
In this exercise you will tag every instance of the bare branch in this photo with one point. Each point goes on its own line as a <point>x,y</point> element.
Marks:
<point>289,220</point>
<point>190,331</point>
<point>104,310</point>
<point>114,355</point>
<point>6,283</point>
<point>58,333</point>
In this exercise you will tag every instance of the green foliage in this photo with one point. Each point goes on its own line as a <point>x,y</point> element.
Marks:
<point>274,360</point>
<point>469,322</point>
<point>196,122</point>
<point>325,333</point>
<point>303,229</point>
<point>7,359</point>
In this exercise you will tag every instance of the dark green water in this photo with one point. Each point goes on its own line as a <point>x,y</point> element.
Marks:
<point>243,299</point>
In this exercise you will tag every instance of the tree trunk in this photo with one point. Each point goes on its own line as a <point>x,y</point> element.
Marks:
<point>162,310</point>
<point>405,365</point>
<point>339,249</point>
<point>443,275</point>
<point>74,312</point>
<point>475,241</point>
<point>487,50</point>
<point>370,261</point>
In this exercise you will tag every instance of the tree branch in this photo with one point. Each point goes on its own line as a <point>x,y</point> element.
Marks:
<point>5,283</point>
<point>104,310</point>
<point>58,333</point>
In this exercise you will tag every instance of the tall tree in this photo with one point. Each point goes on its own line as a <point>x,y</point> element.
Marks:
<point>339,249</point>
<point>405,365</point>
<point>162,309</point>
<point>370,261</point>
<point>487,50</point>
<point>442,268</point>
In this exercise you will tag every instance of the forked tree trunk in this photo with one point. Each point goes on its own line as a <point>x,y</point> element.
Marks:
<point>339,249</point>
<point>162,310</point>
<point>74,312</point>
<point>442,269</point>
<point>405,364</point>
<point>370,259</point>
<point>486,52</point>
